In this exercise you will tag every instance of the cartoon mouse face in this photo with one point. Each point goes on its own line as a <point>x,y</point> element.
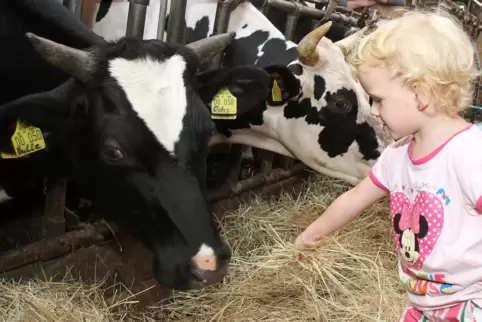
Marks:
<point>411,227</point>
<point>409,246</point>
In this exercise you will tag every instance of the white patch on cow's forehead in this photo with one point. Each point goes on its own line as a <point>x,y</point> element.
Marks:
<point>156,91</point>
<point>204,250</point>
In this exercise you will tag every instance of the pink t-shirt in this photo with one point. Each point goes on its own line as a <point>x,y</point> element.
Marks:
<point>436,214</point>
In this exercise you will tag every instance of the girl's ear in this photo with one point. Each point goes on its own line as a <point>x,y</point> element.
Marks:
<point>423,95</point>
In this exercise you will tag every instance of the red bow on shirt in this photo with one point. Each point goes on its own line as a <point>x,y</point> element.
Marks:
<point>410,219</point>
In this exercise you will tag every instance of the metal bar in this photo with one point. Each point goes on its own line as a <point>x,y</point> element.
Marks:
<point>290,7</point>
<point>477,64</point>
<point>136,18</point>
<point>236,152</point>
<point>54,247</point>
<point>221,24</point>
<point>349,12</point>
<point>161,23</point>
<point>476,7</point>
<point>266,162</point>
<point>291,22</point>
<point>290,26</point>
<point>288,162</point>
<point>223,13</point>
<point>265,7</point>
<point>54,220</point>
<point>231,190</point>
<point>69,4</point>
<point>467,13</point>
<point>175,26</point>
<point>78,4</point>
<point>395,3</point>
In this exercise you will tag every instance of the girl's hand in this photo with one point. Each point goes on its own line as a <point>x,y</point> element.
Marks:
<point>302,242</point>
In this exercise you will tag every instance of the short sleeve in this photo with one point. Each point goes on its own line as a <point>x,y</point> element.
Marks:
<point>469,173</point>
<point>378,173</point>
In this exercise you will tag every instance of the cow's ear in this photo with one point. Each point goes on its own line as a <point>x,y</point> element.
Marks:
<point>24,122</point>
<point>284,85</point>
<point>230,92</point>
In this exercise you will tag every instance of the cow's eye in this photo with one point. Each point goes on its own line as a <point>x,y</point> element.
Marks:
<point>112,150</point>
<point>114,153</point>
<point>340,106</point>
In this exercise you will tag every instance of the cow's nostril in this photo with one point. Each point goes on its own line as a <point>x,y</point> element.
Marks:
<point>208,276</point>
<point>200,275</point>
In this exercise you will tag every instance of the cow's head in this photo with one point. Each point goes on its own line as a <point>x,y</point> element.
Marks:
<point>329,81</point>
<point>328,109</point>
<point>332,98</point>
<point>135,131</point>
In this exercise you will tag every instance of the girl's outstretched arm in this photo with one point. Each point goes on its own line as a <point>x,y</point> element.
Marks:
<point>342,211</point>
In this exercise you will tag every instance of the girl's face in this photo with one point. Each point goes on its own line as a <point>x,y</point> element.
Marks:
<point>394,104</point>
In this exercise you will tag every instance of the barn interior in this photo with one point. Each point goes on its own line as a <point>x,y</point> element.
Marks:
<point>61,261</point>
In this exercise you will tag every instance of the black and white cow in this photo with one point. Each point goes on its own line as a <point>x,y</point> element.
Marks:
<point>126,120</point>
<point>323,117</point>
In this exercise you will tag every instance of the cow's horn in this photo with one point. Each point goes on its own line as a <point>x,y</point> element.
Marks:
<point>74,62</point>
<point>347,43</point>
<point>307,47</point>
<point>207,48</point>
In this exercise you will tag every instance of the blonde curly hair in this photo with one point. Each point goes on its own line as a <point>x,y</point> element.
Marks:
<point>428,47</point>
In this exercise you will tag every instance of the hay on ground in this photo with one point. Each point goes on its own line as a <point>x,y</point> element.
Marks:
<point>352,276</point>
<point>66,300</point>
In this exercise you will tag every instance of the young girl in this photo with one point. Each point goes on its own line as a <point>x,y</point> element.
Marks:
<point>419,71</point>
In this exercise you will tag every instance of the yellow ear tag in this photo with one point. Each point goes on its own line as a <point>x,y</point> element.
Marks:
<point>276,92</point>
<point>7,156</point>
<point>224,106</point>
<point>25,140</point>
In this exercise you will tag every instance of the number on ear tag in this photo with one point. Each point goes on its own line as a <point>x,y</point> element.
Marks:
<point>276,92</point>
<point>25,140</point>
<point>224,106</point>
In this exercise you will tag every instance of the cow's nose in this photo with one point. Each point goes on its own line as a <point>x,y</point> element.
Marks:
<point>209,270</point>
<point>205,262</point>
